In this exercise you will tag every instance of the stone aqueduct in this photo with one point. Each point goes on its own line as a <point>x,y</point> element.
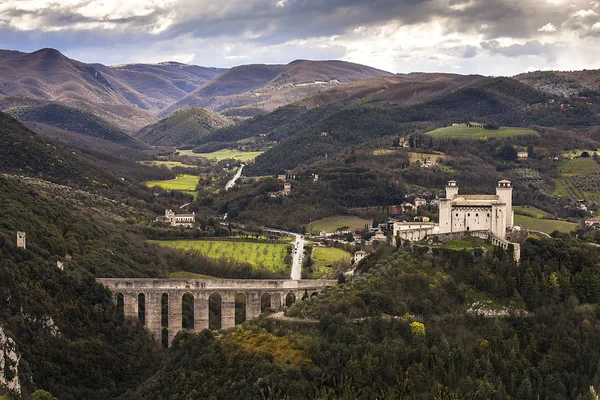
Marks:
<point>145,299</point>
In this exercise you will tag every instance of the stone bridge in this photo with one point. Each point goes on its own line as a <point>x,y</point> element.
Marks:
<point>160,304</point>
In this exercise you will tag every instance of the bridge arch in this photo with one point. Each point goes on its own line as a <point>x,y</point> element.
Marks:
<point>265,302</point>
<point>214,310</point>
<point>164,338</point>
<point>141,309</point>
<point>120,305</point>
<point>241,301</point>
<point>187,311</point>
<point>290,299</point>
<point>164,310</point>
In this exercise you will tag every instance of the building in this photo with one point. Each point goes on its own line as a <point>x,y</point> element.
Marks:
<point>287,189</point>
<point>378,237</point>
<point>359,255</point>
<point>492,213</point>
<point>183,220</point>
<point>593,222</point>
<point>419,201</point>
<point>522,155</point>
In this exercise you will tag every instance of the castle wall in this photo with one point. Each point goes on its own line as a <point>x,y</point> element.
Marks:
<point>471,218</point>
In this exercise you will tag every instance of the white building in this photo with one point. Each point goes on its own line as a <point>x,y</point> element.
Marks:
<point>492,213</point>
<point>359,255</point>
<point>184,220</point>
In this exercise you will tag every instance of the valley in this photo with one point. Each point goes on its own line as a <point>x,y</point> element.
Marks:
<point>316,229</point>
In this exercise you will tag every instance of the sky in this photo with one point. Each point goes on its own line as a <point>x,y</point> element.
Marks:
<point>489,37</point>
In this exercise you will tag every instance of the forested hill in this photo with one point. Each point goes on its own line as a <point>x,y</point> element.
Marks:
<point>26,153</point>
<point>500,100</point>
<point>404,328</point>
<point>182,127</point>
<point>74,120</point>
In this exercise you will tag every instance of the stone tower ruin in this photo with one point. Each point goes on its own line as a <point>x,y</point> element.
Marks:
<point>21,237</point>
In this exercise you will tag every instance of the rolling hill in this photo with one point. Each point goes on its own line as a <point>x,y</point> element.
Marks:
<point>267,87</point>
<point>373,114</point>
<point>74,120</point>
<point>562,83</point>
<point>127,95</point>
<point>182,126</point>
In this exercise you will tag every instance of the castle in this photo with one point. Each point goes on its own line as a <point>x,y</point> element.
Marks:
<point>476,212</point>
<point>487,215</point>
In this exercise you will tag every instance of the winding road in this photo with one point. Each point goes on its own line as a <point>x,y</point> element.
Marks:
<point>231,182</point>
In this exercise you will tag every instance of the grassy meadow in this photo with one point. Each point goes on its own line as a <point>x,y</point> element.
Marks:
<point>330,224</point>
<point>265,255</point>
<point>462,131</point>
<point>184,183</point>
<point>167,164</point>
<point>326,256</point>
<point>224,154</point>
<point>531,212</point>
<point>190,275</point>
<point>544,225</point>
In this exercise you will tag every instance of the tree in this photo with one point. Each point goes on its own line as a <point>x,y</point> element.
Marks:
<point>411,142</point>
<point>585,154</point>
<point>507,152</point>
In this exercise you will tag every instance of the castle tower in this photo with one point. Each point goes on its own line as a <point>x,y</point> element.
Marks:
<point>504,193</point>
<point>21,240</point>
<point>451,189</point>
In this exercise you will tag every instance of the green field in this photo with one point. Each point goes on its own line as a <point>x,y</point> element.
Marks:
<point>264,255</point>
<point>190,275</point>
<point>184,183</point>
<point>224,154</point>
<point>531,212</point>
<point>326,256</point>
<point>462,131</point>
<point>330,224</point>
<point>168,164</point>
<point>544,225</point>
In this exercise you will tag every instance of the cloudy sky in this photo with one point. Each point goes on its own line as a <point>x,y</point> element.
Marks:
<point>491,37</point>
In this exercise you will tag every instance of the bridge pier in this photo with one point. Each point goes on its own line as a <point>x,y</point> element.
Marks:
<point>130,306</point>
<point>175,314</point>
<point>228,310</point>
<point>253,304</point>
<point>200,312</point>
<point>154,314</point>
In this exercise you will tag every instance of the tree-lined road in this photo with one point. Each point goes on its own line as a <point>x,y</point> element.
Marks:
<point>298,252</point>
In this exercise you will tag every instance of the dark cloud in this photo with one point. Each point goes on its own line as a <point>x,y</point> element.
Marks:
<point>529,48</point>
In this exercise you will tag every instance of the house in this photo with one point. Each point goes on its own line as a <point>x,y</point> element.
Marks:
<point>522,155</point>
<point>378,237</point>
<point>419,201</point>
<point>593,222</point>
<point>359,255</point>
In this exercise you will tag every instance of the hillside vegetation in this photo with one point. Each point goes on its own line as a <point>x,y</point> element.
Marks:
<point>74,120</point>
<point>182,127</point>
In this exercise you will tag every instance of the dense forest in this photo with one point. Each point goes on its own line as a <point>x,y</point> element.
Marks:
<point>404,328</point>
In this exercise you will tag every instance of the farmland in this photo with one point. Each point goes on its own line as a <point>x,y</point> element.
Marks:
<point>224,154</point>
<point>462,131</point>
<point>264,255</point>
<point>326,256</point>
<point>184,183</point>
<point>544,225</point>
<point>434,158</point>
<point>330,224</point>
<point>531,212</point>
<point>579,179</point>
<point>167,164</point>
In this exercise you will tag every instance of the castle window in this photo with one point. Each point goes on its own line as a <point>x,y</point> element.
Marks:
<point>457,214</point>
<point>468,214</point>
<point>488,214</point>
<point>477,215</point>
